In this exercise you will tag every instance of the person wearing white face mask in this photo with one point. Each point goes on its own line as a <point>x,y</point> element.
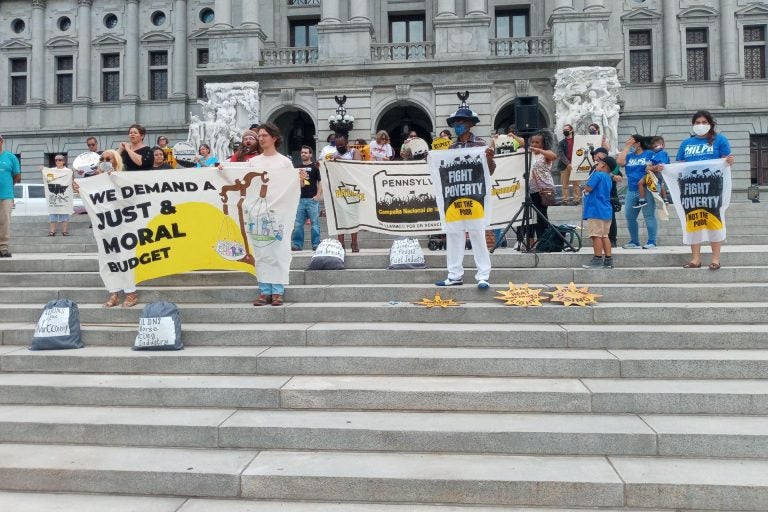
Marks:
<point>705,144</point>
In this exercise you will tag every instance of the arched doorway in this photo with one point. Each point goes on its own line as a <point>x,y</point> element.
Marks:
<point>298,130</point>
<point>506,118</point>
<point>399,120</point>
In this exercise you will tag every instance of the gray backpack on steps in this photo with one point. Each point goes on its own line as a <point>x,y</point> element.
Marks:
<point>159,328</point>
<point>58,327</point>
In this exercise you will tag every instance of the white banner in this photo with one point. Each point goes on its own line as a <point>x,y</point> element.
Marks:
<point>581,161</point>
<point>151,224</point>
<point>58,190</point>
<point>701,193</point>
<point>399,197</point>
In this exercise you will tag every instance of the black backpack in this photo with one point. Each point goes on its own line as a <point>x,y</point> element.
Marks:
<point>550,242</point>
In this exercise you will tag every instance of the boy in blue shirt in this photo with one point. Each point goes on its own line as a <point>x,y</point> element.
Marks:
<point>598,212</point>
<point>659,158</point>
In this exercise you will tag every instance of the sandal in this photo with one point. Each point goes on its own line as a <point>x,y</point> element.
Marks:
<point>277,300</point>
<point>355,248</point>
<point>51,233</point>
<point>263,300</point>
<point>65,233</point>
<point>131,299</point>
<point>714,265</point>
<point>691,264</point>
<point>113,301</point>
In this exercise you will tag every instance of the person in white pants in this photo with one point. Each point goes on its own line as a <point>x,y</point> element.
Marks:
<point>462,122</point>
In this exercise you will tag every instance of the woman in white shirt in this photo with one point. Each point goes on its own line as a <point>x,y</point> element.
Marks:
<point>380,147</point>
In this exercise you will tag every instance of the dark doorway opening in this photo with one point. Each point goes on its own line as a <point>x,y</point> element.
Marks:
<point>298,130</point>
<point>400,120</point>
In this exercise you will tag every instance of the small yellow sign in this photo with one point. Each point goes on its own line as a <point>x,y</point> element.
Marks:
<point>570,295</point>
<point>441,143</point>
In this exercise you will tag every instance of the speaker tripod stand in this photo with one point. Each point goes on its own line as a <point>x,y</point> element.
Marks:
<point>524,214</point>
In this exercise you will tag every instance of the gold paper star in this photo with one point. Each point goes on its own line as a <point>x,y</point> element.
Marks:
<point>570,295</point>
<point>437,302</point>
<point>520,296</point>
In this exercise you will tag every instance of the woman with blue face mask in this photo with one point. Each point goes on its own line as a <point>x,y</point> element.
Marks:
<point>705,144</point>
<point>635,157</point>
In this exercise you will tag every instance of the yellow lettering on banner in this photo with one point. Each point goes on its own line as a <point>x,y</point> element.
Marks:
<point>464,209</point>
<point>204,225</point>
<point>701,220</point>
<point>441,143</point>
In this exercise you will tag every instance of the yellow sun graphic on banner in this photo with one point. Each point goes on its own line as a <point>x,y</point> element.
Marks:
<point>522,296</point>
<point>437,302</point>
<point>571,295</point>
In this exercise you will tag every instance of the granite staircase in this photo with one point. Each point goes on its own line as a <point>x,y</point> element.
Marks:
<point>351,399</point>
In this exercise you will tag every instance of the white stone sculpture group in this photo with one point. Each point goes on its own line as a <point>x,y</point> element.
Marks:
<point>230,109</point>
<point>586,95</point>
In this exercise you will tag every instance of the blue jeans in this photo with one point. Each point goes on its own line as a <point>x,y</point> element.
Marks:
<point>631,213</point>
<point>271,289</point>
<point>308,209</point>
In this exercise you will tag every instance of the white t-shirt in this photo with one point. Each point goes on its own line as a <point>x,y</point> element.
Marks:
<point>276,161</point>
<point>381,151</point>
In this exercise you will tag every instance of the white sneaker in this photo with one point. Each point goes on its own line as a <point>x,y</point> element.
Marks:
<point>630,245</point>
<point>649,245</point>
<point>449,282</point>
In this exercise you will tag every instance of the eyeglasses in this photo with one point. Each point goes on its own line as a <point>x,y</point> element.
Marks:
<point>105,159</point>
<point>92,144</point>
<point>59,159</point>
<point>249,138</point>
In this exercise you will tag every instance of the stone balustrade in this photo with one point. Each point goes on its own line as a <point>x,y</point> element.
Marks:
<point>521,46</point>
<point>422,50</point>
<point>303,3</point>
<point>289,56</point>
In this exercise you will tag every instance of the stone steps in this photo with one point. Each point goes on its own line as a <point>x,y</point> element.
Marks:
<point>42,502</point>
<point>403,361</point>
<point>525,480</point>
<point>565,395</point>
<point>532,335</point>
<point>426,432</point>
<point>474,312</point>
<point>641,292</point>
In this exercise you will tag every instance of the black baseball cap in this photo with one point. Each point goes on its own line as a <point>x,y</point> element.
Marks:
<point>599,150</point>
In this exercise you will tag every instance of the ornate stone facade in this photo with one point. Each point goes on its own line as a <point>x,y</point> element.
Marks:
<point>80,67</point>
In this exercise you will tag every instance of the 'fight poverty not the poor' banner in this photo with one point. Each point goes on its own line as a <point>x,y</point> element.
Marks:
<point>401,197</point>
<point>701,193</point>
<point>151,224</point>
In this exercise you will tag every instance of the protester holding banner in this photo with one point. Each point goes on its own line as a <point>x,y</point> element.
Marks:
<point>462,121</point>
<point>635,157</point>
<point>540,179</point>
<point>343,152</point>
<point>248,149</point>
<point>136,155</point>
<point>705,144</point>
<point>159,162</point>
<point>55,216</point>
<point>380,147</point>
<point>205,158</point>
<point>273,271</point>
<point>330,148</point>
<point>565,156</point>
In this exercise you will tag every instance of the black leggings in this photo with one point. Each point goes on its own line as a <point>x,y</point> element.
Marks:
<point>541,220</point>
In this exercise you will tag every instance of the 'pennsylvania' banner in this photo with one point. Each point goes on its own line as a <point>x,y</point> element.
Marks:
<point>58,191</point>
<point>701,192</point>
<point>401,197</point>
<point>150,224</point>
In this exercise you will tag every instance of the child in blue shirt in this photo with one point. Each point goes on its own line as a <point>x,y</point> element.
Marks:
<point>598,212</point>
<point>659,158</point>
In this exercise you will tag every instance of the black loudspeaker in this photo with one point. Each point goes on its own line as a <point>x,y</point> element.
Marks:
<point>527,114</point>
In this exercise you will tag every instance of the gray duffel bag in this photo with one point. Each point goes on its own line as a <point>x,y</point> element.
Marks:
<point>159,328</point>
<point>58,327</point>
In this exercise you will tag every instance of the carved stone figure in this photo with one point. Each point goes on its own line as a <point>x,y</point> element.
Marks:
<point>230,109</point>
<point>585,95</point>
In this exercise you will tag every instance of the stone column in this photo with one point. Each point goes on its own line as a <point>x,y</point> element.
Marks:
<point>594,5</point>
<point>131,69</point>
<point>476,8</point>
<point>250,14</point>
<point>672,58</point>
<point>563,5</point>
<point>223,13</point>
<point>84,50</point>
<point>37,66</point>
<point>446,8</point>
<point>330,11</point>
<point>729,39</point>
<point>358,11</point>
<point>180,53</point>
